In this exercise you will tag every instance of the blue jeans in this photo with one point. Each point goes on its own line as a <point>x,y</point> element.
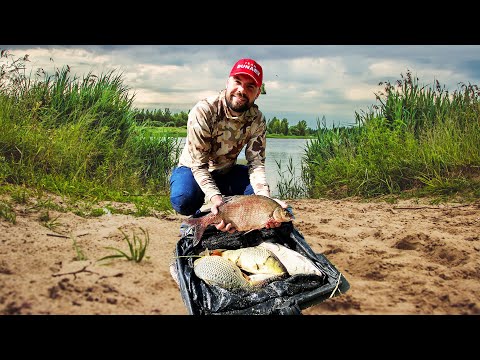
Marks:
<point>186,196</point>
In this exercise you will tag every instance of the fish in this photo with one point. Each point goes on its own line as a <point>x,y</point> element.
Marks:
<point>255,260</point>
<point>294,262</point>
<point>260,280</point>
<point>244,212</point>
<point>216,270</point>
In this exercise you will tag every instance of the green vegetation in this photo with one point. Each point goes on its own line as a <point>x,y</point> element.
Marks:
<point>418,141</point>
<point>47,221</point>
<point>161,131</point>
<point>137,248</point>
<point>7,213</point>
<point>79,254</point>
<point>81,141</point>
<point>77,138</point>
<point>281,129</point>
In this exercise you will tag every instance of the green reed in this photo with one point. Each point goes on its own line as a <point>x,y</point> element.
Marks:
<point>418,138</point>
<point>77,137</point>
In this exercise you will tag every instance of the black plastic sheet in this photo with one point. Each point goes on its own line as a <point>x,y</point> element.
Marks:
<point>285,296</point>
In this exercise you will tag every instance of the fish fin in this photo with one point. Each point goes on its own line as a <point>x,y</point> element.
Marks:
<point>217,252</point>
<point>199,226</point>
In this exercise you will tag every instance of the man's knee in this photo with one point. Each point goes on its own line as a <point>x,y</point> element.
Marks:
<point>183,205</point>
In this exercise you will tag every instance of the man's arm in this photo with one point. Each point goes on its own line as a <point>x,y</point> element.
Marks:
<point>255,153</point>
<point>198,146</point>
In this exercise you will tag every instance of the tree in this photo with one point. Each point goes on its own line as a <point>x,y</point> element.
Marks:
<point>284,127</point>
<point>273,126</point>
<point>302,127</point>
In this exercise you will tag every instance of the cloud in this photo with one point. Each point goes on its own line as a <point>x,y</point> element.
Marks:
<point>303,82</point>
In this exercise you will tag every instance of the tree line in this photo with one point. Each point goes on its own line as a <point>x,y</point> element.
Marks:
<point>166,118</point>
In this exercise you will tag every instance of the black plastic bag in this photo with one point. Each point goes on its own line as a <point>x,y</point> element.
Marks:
<point>287,296</point>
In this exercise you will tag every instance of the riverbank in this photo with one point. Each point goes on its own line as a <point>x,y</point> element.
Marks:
<point>405,258</point>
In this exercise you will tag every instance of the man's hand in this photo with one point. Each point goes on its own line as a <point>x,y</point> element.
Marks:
<point>222,227</point>
<point>216,201</point>
<point>284,205</point>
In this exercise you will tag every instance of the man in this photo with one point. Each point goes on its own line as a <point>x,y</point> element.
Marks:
<point>217,130</point>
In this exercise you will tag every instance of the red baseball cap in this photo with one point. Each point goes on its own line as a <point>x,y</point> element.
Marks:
<point>248,67</point>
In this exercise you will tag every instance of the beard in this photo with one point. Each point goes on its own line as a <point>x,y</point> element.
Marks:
<point>238,108</point>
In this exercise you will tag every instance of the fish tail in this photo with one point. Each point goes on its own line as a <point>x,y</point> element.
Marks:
<point>199,226</point>
<point>198,231</point>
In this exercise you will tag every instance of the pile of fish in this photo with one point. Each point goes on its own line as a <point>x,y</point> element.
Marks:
<point>251,267</point>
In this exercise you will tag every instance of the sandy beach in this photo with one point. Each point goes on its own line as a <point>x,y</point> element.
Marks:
<point>408,258</point>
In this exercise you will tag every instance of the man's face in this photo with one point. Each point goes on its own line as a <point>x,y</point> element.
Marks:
<point>241,93</point>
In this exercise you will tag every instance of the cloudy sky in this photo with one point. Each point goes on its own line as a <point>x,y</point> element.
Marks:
<point>303,82</point>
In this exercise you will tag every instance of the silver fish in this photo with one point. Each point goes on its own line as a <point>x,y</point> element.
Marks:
<point>294,262</point>
<point>255,260</point>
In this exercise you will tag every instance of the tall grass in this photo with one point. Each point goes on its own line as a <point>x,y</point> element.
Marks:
<point>418,138</point>
<point>290,184</point>
<point>78,136</point>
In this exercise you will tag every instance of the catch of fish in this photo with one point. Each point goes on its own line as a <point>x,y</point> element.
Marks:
<point>248,267</point>
<point>251,267</point>
<point>244,212</point>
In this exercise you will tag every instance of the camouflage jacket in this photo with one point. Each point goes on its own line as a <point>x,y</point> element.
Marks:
<point>215,139</point>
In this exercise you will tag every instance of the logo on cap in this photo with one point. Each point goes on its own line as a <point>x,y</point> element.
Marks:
<point>248,67</point>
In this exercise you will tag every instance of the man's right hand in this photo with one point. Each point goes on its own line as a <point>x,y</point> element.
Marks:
<point>216,201</point>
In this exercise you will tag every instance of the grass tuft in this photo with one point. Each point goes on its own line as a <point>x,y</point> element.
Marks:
<point>136,246</point>
<point>7,213</point>
<point>79,254</point>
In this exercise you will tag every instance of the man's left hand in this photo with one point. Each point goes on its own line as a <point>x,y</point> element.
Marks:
<point>284,205</point>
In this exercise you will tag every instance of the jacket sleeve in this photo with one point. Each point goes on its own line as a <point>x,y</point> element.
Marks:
<point>199,140</point>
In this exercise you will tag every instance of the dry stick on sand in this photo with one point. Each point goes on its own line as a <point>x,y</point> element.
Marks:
<point>58,235</point>
<point>64,236</point>
<point>74,273</point>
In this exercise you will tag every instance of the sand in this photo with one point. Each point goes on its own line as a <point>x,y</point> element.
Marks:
<point>408,258</point>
